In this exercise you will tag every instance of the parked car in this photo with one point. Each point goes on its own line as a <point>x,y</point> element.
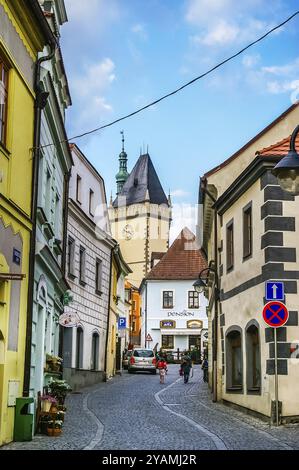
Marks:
<point>126,358</point>
<point>142,359</point>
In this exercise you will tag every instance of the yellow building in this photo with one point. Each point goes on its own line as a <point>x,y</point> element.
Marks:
<point>23,34</point>
<point>133,300</point>
<point>114,349</point>
<point>140,215</point>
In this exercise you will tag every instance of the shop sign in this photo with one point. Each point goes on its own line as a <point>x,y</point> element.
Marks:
<point>194,324</point>
<point>184,313</point>
<point>69,320</point>
<point>16,257</point>
<point>167,324</point>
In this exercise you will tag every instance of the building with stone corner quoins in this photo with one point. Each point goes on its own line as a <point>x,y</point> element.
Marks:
<point>173,313</point>
<point>88,270</point>
<point>140,215</point>
<point>257,241</point>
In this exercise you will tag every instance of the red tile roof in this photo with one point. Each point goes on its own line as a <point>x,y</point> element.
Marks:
<point>183,260</point>
<point>280,148</point>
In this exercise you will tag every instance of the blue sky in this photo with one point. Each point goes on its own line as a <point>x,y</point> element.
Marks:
<point>119,55</point>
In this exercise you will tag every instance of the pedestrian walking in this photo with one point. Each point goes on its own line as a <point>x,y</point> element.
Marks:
<point>162,367</point>
<point>205,368</point>
<point>186,367</point>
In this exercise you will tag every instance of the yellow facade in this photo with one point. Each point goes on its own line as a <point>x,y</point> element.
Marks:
<point>135,314</point>
<point>112,327</point>
<point>20,42</point>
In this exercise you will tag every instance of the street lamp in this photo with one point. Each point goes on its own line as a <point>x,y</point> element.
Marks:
<point>287,170</point>
<point>200,285</point>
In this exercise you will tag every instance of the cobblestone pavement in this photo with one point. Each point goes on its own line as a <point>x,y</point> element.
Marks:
<point>137,412</point>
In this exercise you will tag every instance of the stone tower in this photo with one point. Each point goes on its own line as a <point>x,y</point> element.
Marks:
<point>140,216</point>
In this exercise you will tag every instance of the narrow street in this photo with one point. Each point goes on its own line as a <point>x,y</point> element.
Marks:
<point>135,412</point>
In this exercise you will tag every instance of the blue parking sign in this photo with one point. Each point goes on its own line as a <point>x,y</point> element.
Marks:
<point>122,323</point>
<point>274,290</point>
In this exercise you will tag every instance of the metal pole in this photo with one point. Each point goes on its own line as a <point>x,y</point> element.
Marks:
<point>276,378</point>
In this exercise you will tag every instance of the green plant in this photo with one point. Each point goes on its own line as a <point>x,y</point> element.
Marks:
<point>59,390</point>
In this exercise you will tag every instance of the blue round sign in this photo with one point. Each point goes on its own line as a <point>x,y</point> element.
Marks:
<point>275,314</point>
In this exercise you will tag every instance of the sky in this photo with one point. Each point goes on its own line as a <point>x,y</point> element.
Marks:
<point>119,55</point>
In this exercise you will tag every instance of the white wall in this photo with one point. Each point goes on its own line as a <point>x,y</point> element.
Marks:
<point>156,312</point>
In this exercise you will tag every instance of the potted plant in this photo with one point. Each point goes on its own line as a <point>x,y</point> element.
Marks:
<point>47,401</point>
<point>60,415</point>
<point>58,427</point>
<point>59,390</point>
<point>44,423</point>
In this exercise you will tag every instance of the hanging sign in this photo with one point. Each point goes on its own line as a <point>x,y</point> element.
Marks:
<point>69,320</point>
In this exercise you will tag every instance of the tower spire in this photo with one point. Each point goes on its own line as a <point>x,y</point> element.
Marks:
<point>122,174</point>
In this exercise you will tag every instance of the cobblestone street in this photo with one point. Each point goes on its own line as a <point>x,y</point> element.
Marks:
<point>136,412</point>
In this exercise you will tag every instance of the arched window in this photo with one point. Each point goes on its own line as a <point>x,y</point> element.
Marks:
<point>253,359</point>
<point>79,350</point>
<point>95,344</point>
<point>234,360</point>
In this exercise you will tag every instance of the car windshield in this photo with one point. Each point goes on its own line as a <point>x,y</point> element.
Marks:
<point>143,353</point>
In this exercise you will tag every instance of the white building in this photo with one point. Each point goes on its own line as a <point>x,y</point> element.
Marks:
<point>88,270</point>
<point>173,314</point>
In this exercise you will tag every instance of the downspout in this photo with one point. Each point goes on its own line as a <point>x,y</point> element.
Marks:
<point>108,317</point>
<point>40,103</point>
<point>67,177</point>
<point>216,290</point>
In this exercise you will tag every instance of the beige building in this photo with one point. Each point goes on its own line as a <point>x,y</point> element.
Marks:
<point>140,216</point>
<point>255,241</point>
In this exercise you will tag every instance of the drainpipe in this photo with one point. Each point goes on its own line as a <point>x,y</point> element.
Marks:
<point>216,290</point>
<point>40,103</point>
<point>108,318</point>
<point>67,177</point>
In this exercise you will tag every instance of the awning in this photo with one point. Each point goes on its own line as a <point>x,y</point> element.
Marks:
<point>181,331</point>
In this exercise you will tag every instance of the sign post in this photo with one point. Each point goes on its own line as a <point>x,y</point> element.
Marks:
<point>275,314</point>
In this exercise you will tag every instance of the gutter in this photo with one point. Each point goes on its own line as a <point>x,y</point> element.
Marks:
<point>40,103</point>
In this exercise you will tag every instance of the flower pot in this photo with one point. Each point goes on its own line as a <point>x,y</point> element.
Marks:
<point>46,405</point>
<point>50,431</point>
<point>54,409</point>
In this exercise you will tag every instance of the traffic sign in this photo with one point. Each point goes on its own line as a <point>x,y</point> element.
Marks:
<point>274,290</point>
<point>122,323</point>
<point>275,314</point>
<point>148,337</point>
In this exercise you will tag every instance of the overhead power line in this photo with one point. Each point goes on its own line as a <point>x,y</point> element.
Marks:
<point>177,90</point>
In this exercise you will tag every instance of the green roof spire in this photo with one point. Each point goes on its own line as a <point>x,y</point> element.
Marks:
<point>123,174</point>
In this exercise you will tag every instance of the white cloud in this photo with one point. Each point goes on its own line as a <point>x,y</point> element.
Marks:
<point>89,91</point>
<point>250,61</point>
<point>224,22</point>
<point>179,193</point>
<point>139,30</point>
<point>98,12</point>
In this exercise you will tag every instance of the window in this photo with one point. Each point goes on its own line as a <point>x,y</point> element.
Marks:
<point>193,299</point>
<point>234,361</point>
<point>71,257</point>
<point>143,353</point>
<point>82,265</point>
<point>133,326</point>
<point>78,189</point>
<point>253,359</point>
<point>91,202</point>
<point>3,100</point>
<point>230,246</point>
<point>95,351</point>
<point>247,231</point>
<point>134,305</point>
<point>79,350</point>
<point>167,341</point>
<point>99,275</point>
<point>167,299</point>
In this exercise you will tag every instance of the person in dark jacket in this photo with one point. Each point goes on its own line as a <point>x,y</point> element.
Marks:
<point>186,367</point>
